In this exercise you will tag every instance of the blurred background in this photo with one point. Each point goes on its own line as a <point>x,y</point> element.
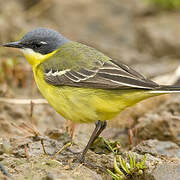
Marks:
<point>144,34</point>
<point>141,33</point>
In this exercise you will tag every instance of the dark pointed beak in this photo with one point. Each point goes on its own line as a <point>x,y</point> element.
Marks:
<point>13,44</point>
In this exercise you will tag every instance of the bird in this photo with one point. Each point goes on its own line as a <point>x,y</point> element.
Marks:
<point>81,83</point>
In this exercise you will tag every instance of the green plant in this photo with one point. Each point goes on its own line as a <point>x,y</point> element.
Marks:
<point>105,146</point>
<point>124,169</point>
<point>166,4</point>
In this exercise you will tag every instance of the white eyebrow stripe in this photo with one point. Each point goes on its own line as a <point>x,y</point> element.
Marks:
<point>43,42</point>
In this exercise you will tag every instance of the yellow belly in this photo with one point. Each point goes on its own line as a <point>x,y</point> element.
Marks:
<point>86,105</point>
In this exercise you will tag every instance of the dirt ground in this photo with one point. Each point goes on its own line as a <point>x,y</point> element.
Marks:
<point>134,32</point>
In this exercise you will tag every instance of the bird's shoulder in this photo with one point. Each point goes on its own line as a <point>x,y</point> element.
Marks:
<point>74,55</point>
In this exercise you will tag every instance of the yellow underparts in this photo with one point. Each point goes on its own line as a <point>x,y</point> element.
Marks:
<point>86,105</point>
<point>83,105</point>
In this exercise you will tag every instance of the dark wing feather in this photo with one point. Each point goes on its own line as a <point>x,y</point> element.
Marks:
<point>107,75</point>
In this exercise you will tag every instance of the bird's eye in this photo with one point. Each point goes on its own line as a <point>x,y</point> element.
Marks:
<point>36,45</point>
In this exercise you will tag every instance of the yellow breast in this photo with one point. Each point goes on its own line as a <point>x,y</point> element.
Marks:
<point>35,58</point>
<point>87,104</point>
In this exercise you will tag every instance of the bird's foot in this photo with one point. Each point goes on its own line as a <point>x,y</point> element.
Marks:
<point>80,158</point>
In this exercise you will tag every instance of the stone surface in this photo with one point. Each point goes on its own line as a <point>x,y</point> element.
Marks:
<point>169,171</point>
<point>162,123</point>
<point>162,159</point>
<point>159,34</point>
<point>158,168</point>
<point>158,148</point>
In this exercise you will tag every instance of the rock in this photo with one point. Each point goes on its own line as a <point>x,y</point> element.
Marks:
<point>162,123</point>
<point>169,171</point>
<point>158,148</point>
<point>80,173</point>
<point>3,177</point>
<point>83,173</point>
<point>144,8</point>
<point>54,133</point>
<point>49,176</point>
<point>13,116</point>
<point>159,35</point>
<point>162,159</point>
<point>158,168</point>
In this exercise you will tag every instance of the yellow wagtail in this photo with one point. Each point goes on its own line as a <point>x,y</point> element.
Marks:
<point>81,83</point>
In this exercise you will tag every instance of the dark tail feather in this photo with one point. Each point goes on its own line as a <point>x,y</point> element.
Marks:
<point>166,89</point>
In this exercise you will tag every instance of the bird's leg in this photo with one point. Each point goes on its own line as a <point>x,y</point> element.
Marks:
<point>103,126</point>
<point>70,127</point>
<point>100,126</point>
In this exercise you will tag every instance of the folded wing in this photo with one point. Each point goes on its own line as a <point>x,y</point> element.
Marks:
<point>104,75</point>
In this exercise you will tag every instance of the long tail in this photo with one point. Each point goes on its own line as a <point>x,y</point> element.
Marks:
<point>166,89</point>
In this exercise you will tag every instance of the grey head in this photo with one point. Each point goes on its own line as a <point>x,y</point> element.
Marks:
<point>41,40</point>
